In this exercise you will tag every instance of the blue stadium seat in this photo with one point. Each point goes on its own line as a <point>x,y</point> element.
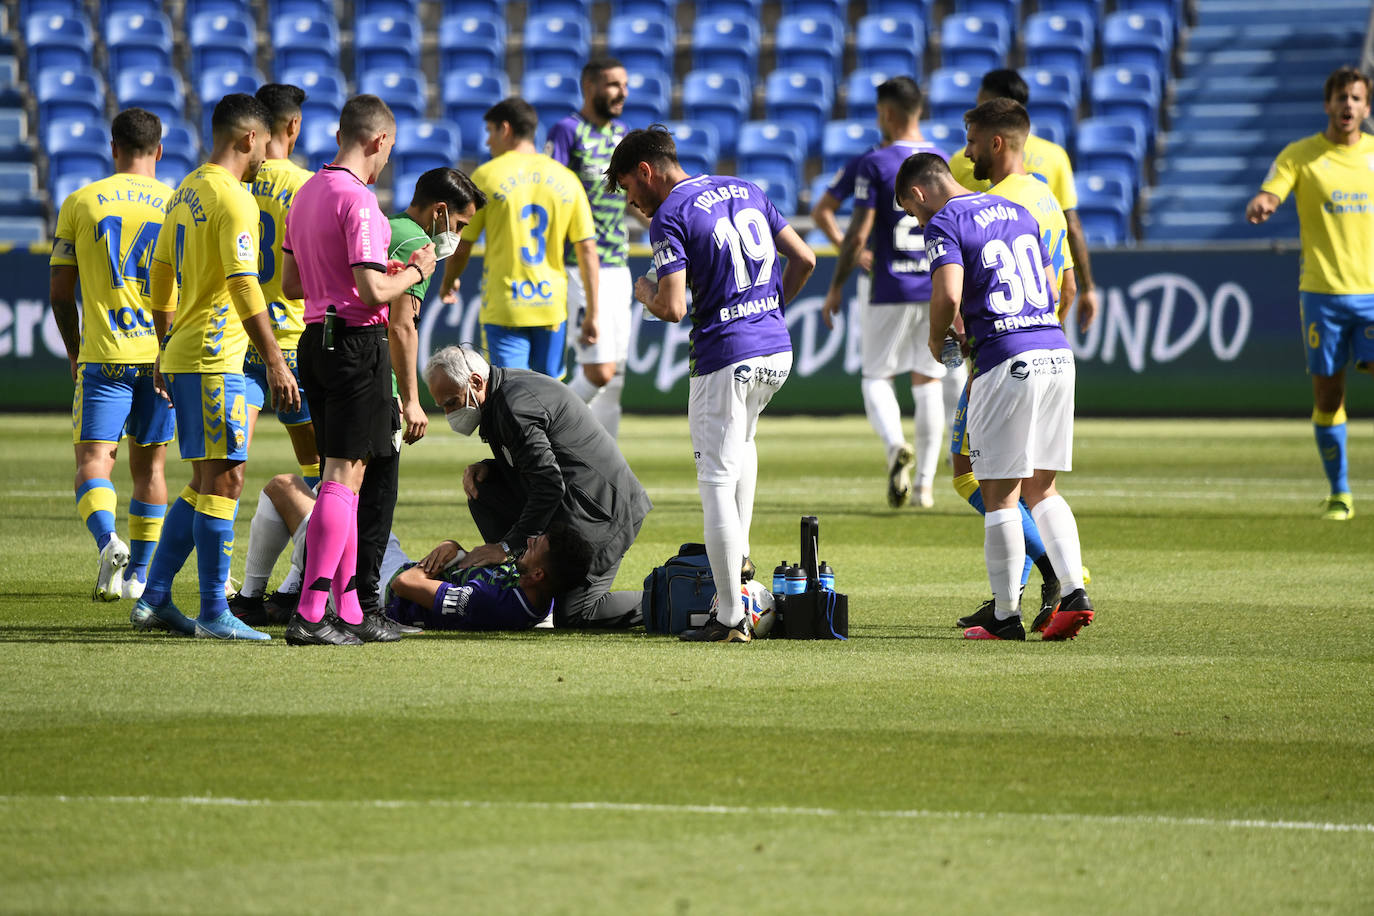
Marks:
<point>29,8</point>
<point>318,142</point>
<point>659,10</point>
<point>452,8</point>
<point>217,83</point>
<point>57,40</point>
<point>220,40</point>
<point>291,9</point>
<point>404,91</point>
<point>1063,40</point>
<point>571,9</point>
<point>1052,129</point>
<point>138,39</point>
<point>425,145</point>
<point>62,186</point>
<point>19,179</point>
<point>385,42</point>
<point>901,8</point>
<point>14,136</point>
<point>556,43</point>
<point>1008,11</point>
<point>1090,8</point>
<point>21,230</point>
<point>467,42</point>
<point>810,43</point>
<point>1112,144</point>
<point>181,144</point>
<point>803,97</point>
<point>467,96</point>
<point>893,44</point>
<point>974,42</point>
<point>750,10</point>
<point>1129,92</point>
<point>650,98</point>
<point>76,145</point>
<point>781,190</point>
<point>843,140</point>
<point>301,41</point>
<point>951,92</point>
<point>158,90</point>
<point>721,98</point>
<point>698,145</point>
<point>1105,201</point>
<point>399,9</point>
<point>238,9</point>
<point>326,90</point>
<point>861,93</point>
<point>555,94</point>
<point>947,135</point>
<point>770,148</point>
<point>1172,10</point>
<point>642,43</point>
<point>819,185</point>
<point>1212,169</point>
<point>1054,98</point>
<point>69,92</point>
<point>835,8</point>
<point>726,43</point>
<point>1138,38</point>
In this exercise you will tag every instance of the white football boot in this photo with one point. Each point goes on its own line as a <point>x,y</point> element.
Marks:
<point>109,578</point>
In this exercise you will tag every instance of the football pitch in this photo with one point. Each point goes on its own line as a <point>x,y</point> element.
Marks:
<point>1207,745</point>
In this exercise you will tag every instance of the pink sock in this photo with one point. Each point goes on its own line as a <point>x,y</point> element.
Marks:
<point>345,585</point>
<point>326,537</point>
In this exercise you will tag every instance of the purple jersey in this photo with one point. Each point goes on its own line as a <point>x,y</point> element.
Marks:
<point>1008,305</point>
<point>721,230</point>
<point>901,272</point>
<point>477,598</point>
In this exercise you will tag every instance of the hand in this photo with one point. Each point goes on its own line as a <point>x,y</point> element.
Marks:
<point>645,291</point>
<point>75,371</point>
<point>1087,308</point>
<point>475,474</point>
<point>438,559</point>
<point>448,292</point>
<point>865,259</point>
<point>414,422</point>
<point>1261,207</point>
<point>589,330</point>
<point>159,383</point>
<point>423,258</point>
<point>393,267</point>
<point>833,303</point>
<point>286,395</point>
<point>486,555</point>
<point>937,348</point>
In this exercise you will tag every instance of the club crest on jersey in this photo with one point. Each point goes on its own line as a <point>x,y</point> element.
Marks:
<point>243,247</point>
<point>743,374</point>
<point>1019,370</point>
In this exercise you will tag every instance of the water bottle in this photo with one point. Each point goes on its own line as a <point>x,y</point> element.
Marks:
<point>796,580</point>
<point>827,577</point>
<point>780,579</point>
<point>951,355</point>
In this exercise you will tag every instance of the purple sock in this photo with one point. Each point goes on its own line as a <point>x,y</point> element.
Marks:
<point>326,537</point>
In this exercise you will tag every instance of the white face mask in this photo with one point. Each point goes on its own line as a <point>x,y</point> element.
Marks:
<point>445,242</point>
<point>465,419</point>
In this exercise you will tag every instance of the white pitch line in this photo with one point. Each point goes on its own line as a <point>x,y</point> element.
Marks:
<point>729,810</point>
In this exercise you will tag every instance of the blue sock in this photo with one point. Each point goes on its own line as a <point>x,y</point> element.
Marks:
<point>174,545</point>
<point>95,500</point>
<point>1035,547</point>
<point>1330,432</point>
<point>145,527</point>
<point>214,535</point>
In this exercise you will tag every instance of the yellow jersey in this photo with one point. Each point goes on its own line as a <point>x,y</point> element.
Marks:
<point>107,231</point>
<point>1035,196</point>
<point>535,208</point>
<point>274,189</point>
<point>1043,159</point>
<point>210,234</point>
<point>1334,189</point>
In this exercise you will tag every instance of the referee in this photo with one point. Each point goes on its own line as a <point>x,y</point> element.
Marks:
<point>335,257</point>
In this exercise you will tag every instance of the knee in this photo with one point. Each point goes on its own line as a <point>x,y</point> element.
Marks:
<point>599,374</point>
<point>278,485</point>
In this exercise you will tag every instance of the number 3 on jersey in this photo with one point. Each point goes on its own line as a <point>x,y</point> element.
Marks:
<point>533,253</point>
<point>751,243</point>
<point>1018,269</point>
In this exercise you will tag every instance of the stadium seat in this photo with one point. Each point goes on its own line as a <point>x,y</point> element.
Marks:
<point>19,178</point>
<point>48,7</point>
<point>769,148</point>
<point>219,40</point>
<point>642,43</point>
<point>301,41</point>
<point>835,8</point>
<point>138,39</point>
<point>399,9</point>
<point>467,96</point>
<point>1138,38</point>
<point>291,9</point>
<point>1090,8</point>
<point>819,185</point>
<point>180,142</point>
<point>77,145</point>
<point>901,8</point>
<point>974,42</point>
<point>385,42</point>
<point>698,145</point>
<point>721,98</point>
<point>491,8</point>
<point>861,93</point>
<point>803,97</point>
<point>1050,128</point>
<point>657,10</point>
<point>810,43</point>
<point>69,92</point>
<point>781,190</point>
<point>1008,11</point>
<point>20,230</point>
<point>949,136</point>
<point>425,145</point>
<point>950,93</point>
<point>57,40</point>
<point>472,42</point>
<point>14,136</point>
<point>238,9</point>
<point>556,43</point>
<point>318,142</point>
<point>1111,144</point>
<point>1105,202</point>
<point>160,91</point>
<point>404,91</point>
<point>62,186</point>
<point>555,94</point>
<point>1062,40</point>
<point>325,91</point>
<point>217,83</point>
<point>744,10</point>
<point>843,140</point>
<point>1129,92</point>
<point>571,9</point>
<point>1054,86</point>
<point>893,44</point>
<point>650,98</point>
<point>726,43</point>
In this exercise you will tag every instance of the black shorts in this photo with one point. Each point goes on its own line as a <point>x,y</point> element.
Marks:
<point>349,391</point>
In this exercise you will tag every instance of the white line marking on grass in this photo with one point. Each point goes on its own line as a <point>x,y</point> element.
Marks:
<point>215,801</point>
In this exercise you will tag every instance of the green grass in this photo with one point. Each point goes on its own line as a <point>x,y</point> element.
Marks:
<point>1179,756</point>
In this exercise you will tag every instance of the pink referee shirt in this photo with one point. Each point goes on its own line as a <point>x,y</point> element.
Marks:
<point>333,226</point>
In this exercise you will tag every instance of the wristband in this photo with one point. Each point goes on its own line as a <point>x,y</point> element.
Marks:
<point>418,271</point>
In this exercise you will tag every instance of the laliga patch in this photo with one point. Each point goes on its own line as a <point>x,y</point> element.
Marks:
<point>243,246</point>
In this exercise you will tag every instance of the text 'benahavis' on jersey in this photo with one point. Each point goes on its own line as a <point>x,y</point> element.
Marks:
<point>1036,196</point>
<point>275,188</point>
<point>1334,189</point>
<point>900,272</point>
<point>122,215</point>
<point>1007,304</point>
<point>586,150</point>
<point>721,231</point>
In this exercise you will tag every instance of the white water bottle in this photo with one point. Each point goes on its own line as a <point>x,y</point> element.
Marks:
<point>951,355</point>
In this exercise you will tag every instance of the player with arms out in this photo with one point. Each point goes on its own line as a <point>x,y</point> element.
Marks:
<point>208,246</point>
<point>720,237</point>
<point>584,141</point>
<point>989,264</point>
<point>535,208</point>
<point>894,322</point>
<point>1331,177</point>
<point>104,241</point>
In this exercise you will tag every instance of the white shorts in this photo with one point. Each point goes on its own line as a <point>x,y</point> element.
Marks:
<point>1020,416</point>
<point>723,410</point>
<point>615,290</point>
<point>894,340</point>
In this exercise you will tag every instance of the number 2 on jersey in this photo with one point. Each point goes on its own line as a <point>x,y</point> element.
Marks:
<point>751,243</point>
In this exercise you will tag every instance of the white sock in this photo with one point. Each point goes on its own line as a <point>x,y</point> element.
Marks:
<point>267,537</point>
<point>952,385</point>
<point>1004,552</point>
<point>1059,531</point>
<point>880,404</point>
<point>291,585</point>
<point>724,548</point>
<point>930,431</point>
<point>582,387</point>
<point>606,405</point>
<point>744,491</point>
